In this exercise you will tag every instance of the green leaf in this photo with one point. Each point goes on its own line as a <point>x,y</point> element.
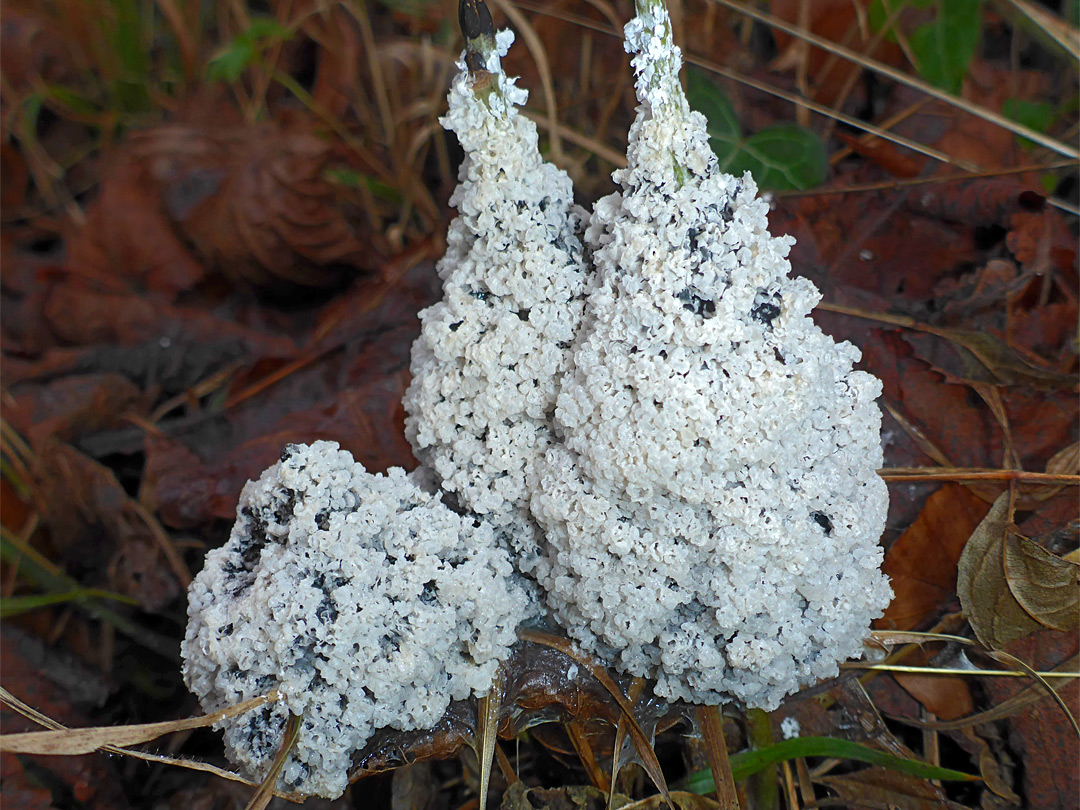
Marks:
<point>783,157</point>
<point>708,98</point>
<point>780,157</point>
<point>944,47</point>
<point>745,763</point>
<point>1038,115</point>
<point>229,63</point>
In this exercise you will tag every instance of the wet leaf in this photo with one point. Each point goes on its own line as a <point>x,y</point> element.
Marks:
<point>886,789</point>
<point>995,615</point>
<point>1045,585</point>
<point>922,562</point>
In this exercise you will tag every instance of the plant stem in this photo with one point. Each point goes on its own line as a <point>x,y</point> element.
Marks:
<point>762,789</point>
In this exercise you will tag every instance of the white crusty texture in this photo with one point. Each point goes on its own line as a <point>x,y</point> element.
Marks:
<point>485,365</point>
<point>713,512</point>
<point>363,600</point>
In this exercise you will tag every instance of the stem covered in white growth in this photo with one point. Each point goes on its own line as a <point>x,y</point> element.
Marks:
<point>713,510</point>
<point>486,363</point>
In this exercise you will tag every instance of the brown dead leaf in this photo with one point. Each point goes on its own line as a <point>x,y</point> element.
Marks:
<point>922,561</point>
<point>838,21</point>
<point>69,407</point>
<point>1040,737</point>
<point>947,698</point>
<point>520,797</point>
<point>254,203</point>
<point>100,531</point>
<point>1065,462</point>
<point>886,788</point>
<point>995,615</point>
<point>58,684</point>
<point>1042,240</point>
<point>1045,585</point>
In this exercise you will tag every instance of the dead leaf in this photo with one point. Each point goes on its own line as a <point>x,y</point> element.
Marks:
<point>995,615</point>
<point>59,684</point>
<point>252,202</point>
<point>947,698</point>
<point>1065,462</point>
<point>922,561</point>
<point>886,788</point>
<point>1045,585</point>
<point>413,787</point>
<point>1039,737</point>
<point>520,797</point>
<point>100,531</point>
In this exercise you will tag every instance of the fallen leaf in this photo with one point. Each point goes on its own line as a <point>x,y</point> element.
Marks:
<point>55,682</point>
<point>886,788</point>
<point>1040,737</point>
<point>946,697</point>
<point>1045,585</point>
<point>995,615</point>
<point>922,562</point>
<point>99,531</point>
<point>520,797</point>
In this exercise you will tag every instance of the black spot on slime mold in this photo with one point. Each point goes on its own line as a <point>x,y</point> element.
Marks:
<point>823,521</point>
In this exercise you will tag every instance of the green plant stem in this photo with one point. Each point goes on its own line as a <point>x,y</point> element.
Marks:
<point>763,791</point>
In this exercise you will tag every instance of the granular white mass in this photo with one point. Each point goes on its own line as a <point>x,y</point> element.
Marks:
<point>363,600</point>
<point>713,510</point>
<point>489,354</point>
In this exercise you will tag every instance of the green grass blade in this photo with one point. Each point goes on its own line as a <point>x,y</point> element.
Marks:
<point>746,763</point>
<point>46,576</point>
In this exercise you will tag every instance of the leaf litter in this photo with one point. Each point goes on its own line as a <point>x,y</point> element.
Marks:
<point>245,272</point>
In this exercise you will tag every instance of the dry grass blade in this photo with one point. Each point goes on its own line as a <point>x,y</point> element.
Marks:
<point>87,740</point>
<point>1007,708</point>
<point>1013,661</point>
<point>637,686</point>
<point>1054,28</point>
<point>641,741</point>
<point>580,740</point>
<point>976,474</point>
<point>617,159</point>
<point>949,671</point>
<point>908,182</point>
<point>712,731</point>
<point>904,78</point>
<point>189,764</point>
<point>487,721</point>
<point>265,792</point>
<point>889,637</point>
